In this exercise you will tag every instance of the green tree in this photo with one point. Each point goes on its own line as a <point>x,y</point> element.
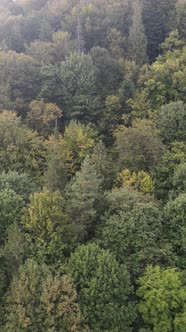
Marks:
<point>82,195</point>
<point>79,140</point>
<point>174,227</point>
<point>38,301</point>
<point>11,206</point>
<point>107,81</point>
<point>77,74</point>
<point>104,290</point>
<point>48,228</point>
<point>137,39</point>
<point>66,153</point>
<point>161,295</point>
<point>161,83</point>
<point>51,85</point>
<point>132,230</point>
<point>21,149</point>
<point>116,43</point>
<point>21,184</point>
<point>138,147</point>
<point>51,52</point>
<point>172,122</point>
<point>43,117</point>
<point>12,256</point>
<point>179,180</point>
<point>19,80</point>
<point>157,16</point>
<point>165,171</point>
<point>58,160</point>
<point>141,181</point>
<point>181,15</point>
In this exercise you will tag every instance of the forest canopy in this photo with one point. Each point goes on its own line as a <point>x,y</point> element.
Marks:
<point>93,165</point>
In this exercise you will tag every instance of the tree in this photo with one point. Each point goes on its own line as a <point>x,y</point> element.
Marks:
<point>138,147</point>
<point>107,81</point>
<point>174,227</point>
<point>51,85</point>
<point>38,301</point>
<point>51,52</point>
<point>137,39</point>
<point>48,228</point>
<point>116,43</point>
<point>41,51</point>
<point>161,83</point>
<point>164,172</point>
<point>12,256</point>
<point>58,160</point>
<point>21,149</point>
<point>83,193</point>
<point>43,117</point>
<point>179,180</point>
<point>19,76</point>
<point>21,184</point>
<point>66,153</point>
<point>172,122</point>
<point>77,74</point>
<point>141,181</point>
<point>104,290</point>
<point>79,140</point>
<point>161,295</point>
<point>132,230</point>
<point>102,159</point>
<point>157,17</point>
<point>180,15</point>
<point>11,206</point>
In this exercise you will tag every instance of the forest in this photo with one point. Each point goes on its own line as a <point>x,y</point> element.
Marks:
<point>93,165</point>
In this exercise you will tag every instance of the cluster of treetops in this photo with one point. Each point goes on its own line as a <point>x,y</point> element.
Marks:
<point>93,166</point>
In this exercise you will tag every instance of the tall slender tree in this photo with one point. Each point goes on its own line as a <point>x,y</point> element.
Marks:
<point>137,37</point>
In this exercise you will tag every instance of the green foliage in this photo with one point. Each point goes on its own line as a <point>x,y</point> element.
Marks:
<point>163,82</point>
<point>175,230</point>
<point>138,147</point>
<point>77,74</point>
<point>141,181</point>
<point>164,172</point>
<point>21,149</point>
<point>65,154</point>
<point>137,39</point>
<point>132,231</point>
<point>172,122</point>
<point>181,15</point>
<point>83,193</point>
<point>79,140</point>
<point>21,184</point>
<point>38,301</point>
<point>48,228</point>
<point>161,295</point>
<point>158,16</point>
<point>43,117</point>
<point>11,206</point>
<point>107,81</point>
<point>59,163</point>
<point>12,255</point>
<point>83,114</point>
<point>47,52</point>
<point>104,289</point>
<point>19,80</point>
<point>179,180</point>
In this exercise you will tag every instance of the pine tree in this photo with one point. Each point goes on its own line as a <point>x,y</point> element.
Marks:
<point>83,193</point>
<point>137,38</point>
<point>56,172</point>
<point>157,17</point>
